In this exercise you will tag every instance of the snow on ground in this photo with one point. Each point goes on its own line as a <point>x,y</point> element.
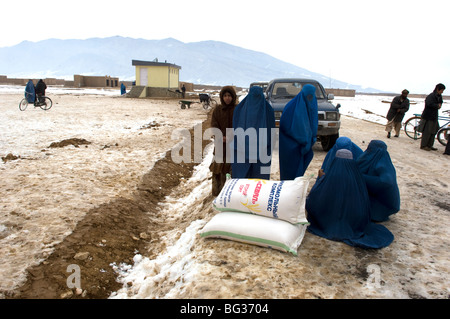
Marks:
<point>127,136</point>
<point>175,275</point>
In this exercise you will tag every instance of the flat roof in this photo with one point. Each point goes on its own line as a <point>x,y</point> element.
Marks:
<point>151,63</point>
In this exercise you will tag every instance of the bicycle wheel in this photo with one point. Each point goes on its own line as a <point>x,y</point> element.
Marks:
<point>46,104</point>
<point>442,135</point>
<point>23,104</point>
<point>411,126</point>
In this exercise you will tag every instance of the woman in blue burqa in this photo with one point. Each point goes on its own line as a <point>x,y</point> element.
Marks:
<point>298,133</point>
<point>342,142</point>
<point>381,179</point>
<point>30,93</point>
<point>338,206</point>
<point>253,124</point>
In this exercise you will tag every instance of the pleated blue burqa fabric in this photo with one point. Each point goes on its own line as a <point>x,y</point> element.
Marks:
<point>339,209</point>
<point>30,93</point>
<point>381,179</point>
<point>253,124</point>
<point>342,142</point>
<point>298,133</point>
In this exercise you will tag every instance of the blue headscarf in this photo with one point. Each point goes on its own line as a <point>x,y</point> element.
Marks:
<point>381,179</point>
<point>253,155</point>
<point>342,142</point>
<point>30,93</point>
<point>338,206</point>
<point>298,133</point>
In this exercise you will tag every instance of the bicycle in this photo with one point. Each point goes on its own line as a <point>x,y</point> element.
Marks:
<point>44,102</point>
<point>443,135</point>
<point>206,100</point>
<point>411,125</point>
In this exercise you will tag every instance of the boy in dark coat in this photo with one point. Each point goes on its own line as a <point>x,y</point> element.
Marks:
<point>222,118</point>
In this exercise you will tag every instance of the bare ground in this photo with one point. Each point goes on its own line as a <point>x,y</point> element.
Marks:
<point>414,266</point>
<point>111,233</point>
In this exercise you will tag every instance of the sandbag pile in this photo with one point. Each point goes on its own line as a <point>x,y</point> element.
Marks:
<point>261,212</point>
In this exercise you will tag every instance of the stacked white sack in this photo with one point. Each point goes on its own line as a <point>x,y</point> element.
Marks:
<point>261,212</point>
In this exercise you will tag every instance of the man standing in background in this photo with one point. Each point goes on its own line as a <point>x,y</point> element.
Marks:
<point>429,124</point>
<point>399,106</point>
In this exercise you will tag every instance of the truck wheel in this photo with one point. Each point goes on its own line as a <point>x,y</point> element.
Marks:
<point>328,141</point>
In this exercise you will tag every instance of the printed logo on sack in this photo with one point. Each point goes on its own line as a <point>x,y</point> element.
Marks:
<point>244,189</point>
<point>252,207</point>
<point>256,193</point>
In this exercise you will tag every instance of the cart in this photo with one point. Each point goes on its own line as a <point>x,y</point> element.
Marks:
<point>184,103</point>
<point>205,100</point>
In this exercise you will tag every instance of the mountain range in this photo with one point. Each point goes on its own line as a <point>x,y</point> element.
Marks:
<point>205,62</point>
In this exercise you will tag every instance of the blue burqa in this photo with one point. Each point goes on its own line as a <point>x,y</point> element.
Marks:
<point>342,142</point>
<point>30,93</point>
<point>253,124</point>
<point>123,89</point>
<point>339,209</point>
<point>381,179</point>
<point>298,133</point>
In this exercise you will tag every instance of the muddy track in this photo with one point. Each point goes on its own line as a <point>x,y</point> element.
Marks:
<point>111,233</point>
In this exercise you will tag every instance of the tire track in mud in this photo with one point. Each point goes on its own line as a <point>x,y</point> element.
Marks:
<point>111,233</point>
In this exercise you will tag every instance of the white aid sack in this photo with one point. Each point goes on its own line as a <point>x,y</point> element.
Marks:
<point>276,199</point>
<point>256,230</point>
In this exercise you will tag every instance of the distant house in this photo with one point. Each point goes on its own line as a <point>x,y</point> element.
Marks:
<point>95,81</point>
<point>157,74</point>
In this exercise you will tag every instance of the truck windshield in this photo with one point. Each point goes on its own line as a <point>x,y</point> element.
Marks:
<point>261,84</point>
<point>288,90</point>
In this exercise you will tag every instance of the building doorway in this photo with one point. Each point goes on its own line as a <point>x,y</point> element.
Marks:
<point>143,76</point>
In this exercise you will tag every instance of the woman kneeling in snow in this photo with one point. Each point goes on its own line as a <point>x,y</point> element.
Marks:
<point>339,209</point>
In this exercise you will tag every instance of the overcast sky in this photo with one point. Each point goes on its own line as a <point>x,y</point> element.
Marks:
<point>387,45</point>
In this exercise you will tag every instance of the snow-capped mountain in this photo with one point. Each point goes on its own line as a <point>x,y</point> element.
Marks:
<point>206,62</point>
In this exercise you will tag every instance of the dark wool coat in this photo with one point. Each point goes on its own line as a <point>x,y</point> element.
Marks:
<point>431,110</point>
<point>398,109</point>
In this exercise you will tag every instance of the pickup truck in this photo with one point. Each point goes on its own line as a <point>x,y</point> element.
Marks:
<point>261,84</point>
<point>280,91</point>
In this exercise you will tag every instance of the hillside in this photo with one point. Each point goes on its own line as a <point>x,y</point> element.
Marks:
<point>206,62</point>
